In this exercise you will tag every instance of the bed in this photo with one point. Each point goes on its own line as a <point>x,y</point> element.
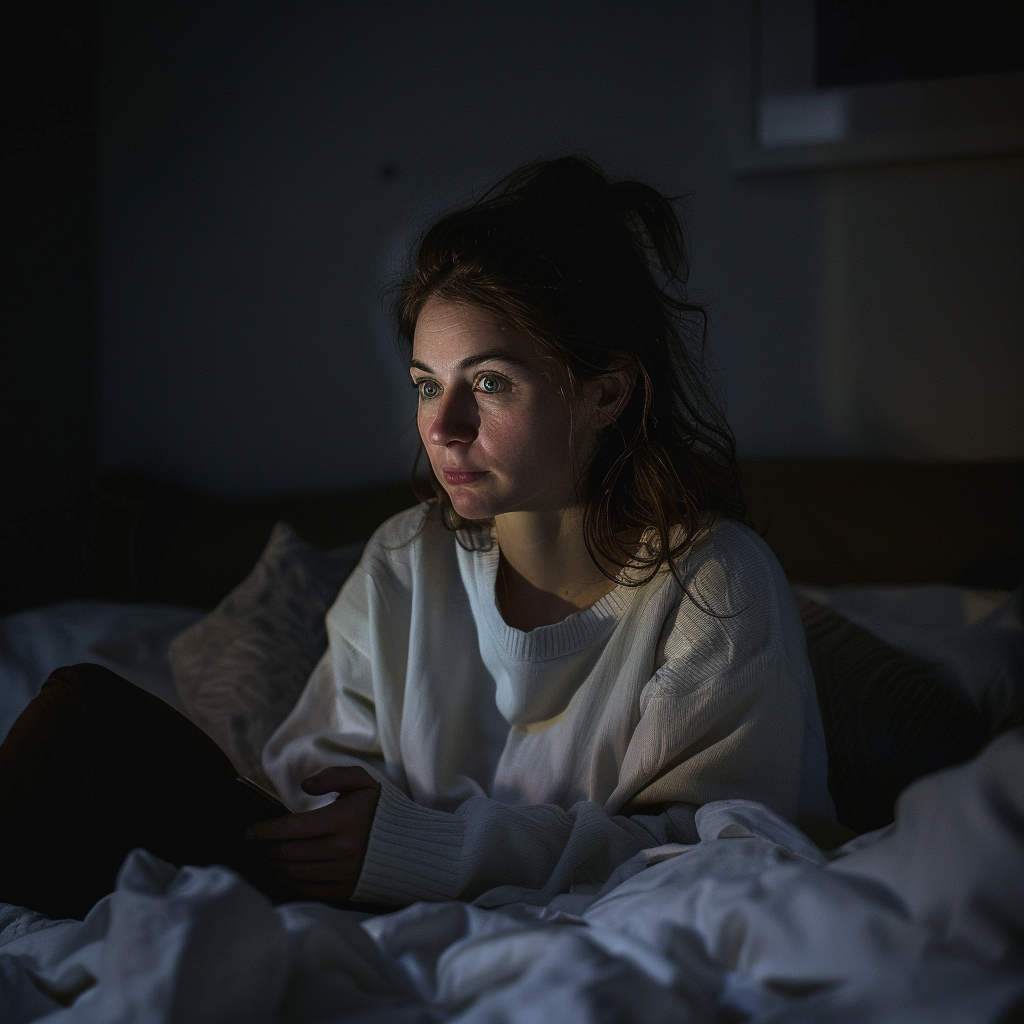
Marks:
<point>908,580</point>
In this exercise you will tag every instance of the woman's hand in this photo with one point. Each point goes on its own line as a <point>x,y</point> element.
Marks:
<point>320,853</point>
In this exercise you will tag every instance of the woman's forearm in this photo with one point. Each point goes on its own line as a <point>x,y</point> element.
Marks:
<point>495,853</point>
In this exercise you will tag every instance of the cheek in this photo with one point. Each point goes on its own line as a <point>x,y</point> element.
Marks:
<point>537,441</point>
<point>510,433</point>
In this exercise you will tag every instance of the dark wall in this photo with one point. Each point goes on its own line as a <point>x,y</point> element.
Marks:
<point>264,166</point>
<point>48,266</point>
<point>195,250</point>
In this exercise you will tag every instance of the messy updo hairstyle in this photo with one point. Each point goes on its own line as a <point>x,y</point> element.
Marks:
<point>594,271</point>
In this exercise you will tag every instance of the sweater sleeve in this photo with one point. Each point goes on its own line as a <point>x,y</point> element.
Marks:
<point>723,717</point>
<point>735,735</point>
<point>493,853</point>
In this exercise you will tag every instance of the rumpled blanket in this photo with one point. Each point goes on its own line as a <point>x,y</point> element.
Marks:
<point>920,922</point>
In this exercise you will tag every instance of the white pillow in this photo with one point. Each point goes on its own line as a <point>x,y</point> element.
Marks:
<point>240,670</point>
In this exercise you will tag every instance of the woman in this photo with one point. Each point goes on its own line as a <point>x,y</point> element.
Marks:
<point>574,643</point>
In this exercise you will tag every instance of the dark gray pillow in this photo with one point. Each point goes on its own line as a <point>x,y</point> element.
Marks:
<point>240,670</point>
<point>888,719</point>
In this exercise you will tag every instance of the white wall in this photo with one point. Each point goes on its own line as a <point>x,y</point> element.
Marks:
<point>247,232</point>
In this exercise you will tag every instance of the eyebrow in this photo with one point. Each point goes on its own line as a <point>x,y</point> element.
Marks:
<point>473,361</point>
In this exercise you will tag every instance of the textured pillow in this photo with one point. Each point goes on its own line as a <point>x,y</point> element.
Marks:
<point>240,670</point>
<point>888,719</point>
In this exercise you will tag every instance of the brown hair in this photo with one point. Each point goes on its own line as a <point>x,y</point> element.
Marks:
<point>594,271</point>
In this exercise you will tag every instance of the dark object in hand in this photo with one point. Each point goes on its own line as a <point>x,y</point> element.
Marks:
<point>263,803</point>
<point>319,854</point>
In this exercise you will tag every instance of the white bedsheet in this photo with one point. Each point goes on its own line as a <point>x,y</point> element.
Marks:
<point>130,639</point>
<point>920,922</point>
<point>923,921</point>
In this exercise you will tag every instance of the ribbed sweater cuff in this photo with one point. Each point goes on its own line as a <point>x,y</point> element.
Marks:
<point>413,853</point>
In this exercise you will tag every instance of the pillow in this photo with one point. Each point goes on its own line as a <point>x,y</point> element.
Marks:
<point>240,670</point>
<point>888,719</point>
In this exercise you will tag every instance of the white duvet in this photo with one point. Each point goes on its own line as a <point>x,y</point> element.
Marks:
<point>920,922</point>
<point>923,921</point>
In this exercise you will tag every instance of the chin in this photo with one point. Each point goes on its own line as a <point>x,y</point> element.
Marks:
<point>473,509</point>
<point>476,503</point>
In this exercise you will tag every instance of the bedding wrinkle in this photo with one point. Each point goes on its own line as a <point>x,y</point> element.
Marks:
<point>741,917</point>
<point>748,922</point>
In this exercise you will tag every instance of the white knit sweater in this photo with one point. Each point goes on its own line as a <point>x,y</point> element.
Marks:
<point>516,766</point>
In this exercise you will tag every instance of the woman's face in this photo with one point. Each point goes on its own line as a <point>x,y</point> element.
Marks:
<point>499,436</point>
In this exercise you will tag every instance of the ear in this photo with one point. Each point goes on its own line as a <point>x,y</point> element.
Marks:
<point>608,394</point>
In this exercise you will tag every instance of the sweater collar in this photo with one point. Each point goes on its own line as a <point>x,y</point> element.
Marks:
<point>571,635</point>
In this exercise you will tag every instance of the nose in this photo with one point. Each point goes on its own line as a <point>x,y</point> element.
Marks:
<point>455,418</point>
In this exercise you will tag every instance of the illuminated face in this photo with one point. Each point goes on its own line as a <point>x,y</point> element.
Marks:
<point>499,436</point>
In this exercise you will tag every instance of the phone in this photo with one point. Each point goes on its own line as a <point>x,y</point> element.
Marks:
<point>262,801</point>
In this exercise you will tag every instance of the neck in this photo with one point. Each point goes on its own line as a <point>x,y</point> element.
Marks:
<point>546,573</point>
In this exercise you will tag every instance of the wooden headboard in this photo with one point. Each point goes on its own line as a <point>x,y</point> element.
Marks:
<point>860,523</point>
<point>830,522</point>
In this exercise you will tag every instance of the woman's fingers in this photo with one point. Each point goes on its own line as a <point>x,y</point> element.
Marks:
<point>351,811</point>
<point>320,853</point>
<point>302,825</point>
<point>321,848</point>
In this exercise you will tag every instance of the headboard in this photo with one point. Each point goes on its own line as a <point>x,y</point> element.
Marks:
<point>831,522</point>
<point>861,523</point>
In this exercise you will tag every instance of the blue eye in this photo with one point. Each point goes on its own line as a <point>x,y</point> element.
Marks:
<point>428,388</point>
<point>490,385</point>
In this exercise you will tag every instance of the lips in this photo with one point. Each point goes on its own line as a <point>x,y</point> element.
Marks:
<point>460,476</point>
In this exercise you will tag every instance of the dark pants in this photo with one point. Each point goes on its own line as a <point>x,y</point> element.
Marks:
<point>95,767</point>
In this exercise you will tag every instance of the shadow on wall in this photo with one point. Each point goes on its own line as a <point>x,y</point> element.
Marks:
<point>921,311</point>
